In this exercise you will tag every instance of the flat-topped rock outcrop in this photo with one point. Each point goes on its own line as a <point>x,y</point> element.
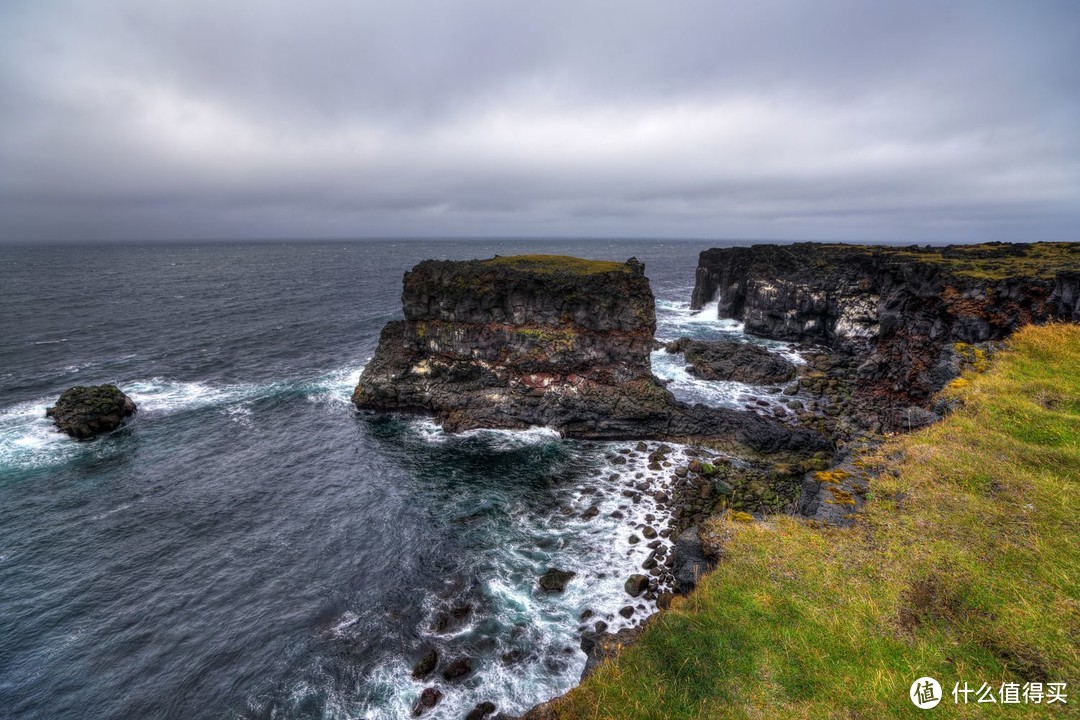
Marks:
<point>546,341</point>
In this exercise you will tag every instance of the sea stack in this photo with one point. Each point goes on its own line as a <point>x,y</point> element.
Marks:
<point>542,340</point>
<point>87,411</point>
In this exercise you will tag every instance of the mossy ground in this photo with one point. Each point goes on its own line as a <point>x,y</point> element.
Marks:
<point>982,261</point>
<point>964,566</point>
<point>550,264</point>
<point>999,261</point>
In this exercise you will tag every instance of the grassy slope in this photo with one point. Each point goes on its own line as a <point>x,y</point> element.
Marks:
<point>964,567</point>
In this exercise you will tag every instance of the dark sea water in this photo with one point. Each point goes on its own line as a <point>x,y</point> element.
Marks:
<point>251,546</point>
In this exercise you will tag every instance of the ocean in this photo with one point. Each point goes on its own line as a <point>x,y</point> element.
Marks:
<point>251,546</point>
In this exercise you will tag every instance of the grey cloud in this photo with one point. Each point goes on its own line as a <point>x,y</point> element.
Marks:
<point>887,120</point>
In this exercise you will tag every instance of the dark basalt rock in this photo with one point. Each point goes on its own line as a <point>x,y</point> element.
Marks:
<point>87,411</point>
<point>426,664</point>
<point>428,699</point>
<point>458,669</point>
<point>691,562</point>
<point>554,581</point>
<point>732,360</point>
<point>540,341</point>
<point>481,711</point>
<point>901,311</point>
<point>598,647</point>
<point>636,584</point>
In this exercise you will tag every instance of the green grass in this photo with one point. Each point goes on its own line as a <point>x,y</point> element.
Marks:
<point>964,566</point>
<point>550,264</point>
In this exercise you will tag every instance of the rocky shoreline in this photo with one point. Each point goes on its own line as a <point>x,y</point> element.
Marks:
<point>564,343</point>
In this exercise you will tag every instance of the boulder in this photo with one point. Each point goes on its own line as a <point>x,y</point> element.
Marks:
<point>84,412</point>
<point>458,669</point>
<point>636,584</point>
<point>481,711</point>
<point>426,664</point>
<point>428,699</point>
<point>690,561</point>
<point>554,580</point>
<point>733,360</point>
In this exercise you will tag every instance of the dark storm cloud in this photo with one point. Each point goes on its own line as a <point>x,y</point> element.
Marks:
<point>845,119</point>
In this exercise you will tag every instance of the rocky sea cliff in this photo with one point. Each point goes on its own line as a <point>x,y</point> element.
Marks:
<point>912,317</point>
<point>565,343</point>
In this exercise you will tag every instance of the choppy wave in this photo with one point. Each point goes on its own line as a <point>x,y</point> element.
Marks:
<point>30,441</point>
<point>512,616</point>
<point>686,387</point>
<point>432,433</point>
<point>674,319</point>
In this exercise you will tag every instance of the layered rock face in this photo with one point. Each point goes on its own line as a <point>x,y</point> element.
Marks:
<point>542,341</point>
<point>86,411</point>
<point>907,311</point>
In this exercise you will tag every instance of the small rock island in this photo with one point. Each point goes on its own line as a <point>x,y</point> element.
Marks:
<point>544,340</point>
<point>84,412</point>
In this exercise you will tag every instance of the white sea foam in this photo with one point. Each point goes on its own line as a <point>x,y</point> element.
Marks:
<point>107,513</point>
<point>432,433</point>
<point>166,396</point>
<point>674,318</point>
<point>597,549</point>
<point>239,414</point>
<point>335,386</point>
<point>691,389</point>
<point>29,440</point>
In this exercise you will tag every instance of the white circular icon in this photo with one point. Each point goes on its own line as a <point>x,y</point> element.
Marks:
<point>925,693</point>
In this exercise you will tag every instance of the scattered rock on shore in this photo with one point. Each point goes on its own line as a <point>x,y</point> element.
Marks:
<point>636,584</point>
<point>690,561</point>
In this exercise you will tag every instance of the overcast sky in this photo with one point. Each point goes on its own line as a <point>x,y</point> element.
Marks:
<point>787,119</point>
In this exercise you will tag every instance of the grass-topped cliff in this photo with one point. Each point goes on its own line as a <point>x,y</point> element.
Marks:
<point>980,261</point>
<point>964,565</point>
<point>553,264</point>
<point>999,261</point>
<point>899,310</point>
